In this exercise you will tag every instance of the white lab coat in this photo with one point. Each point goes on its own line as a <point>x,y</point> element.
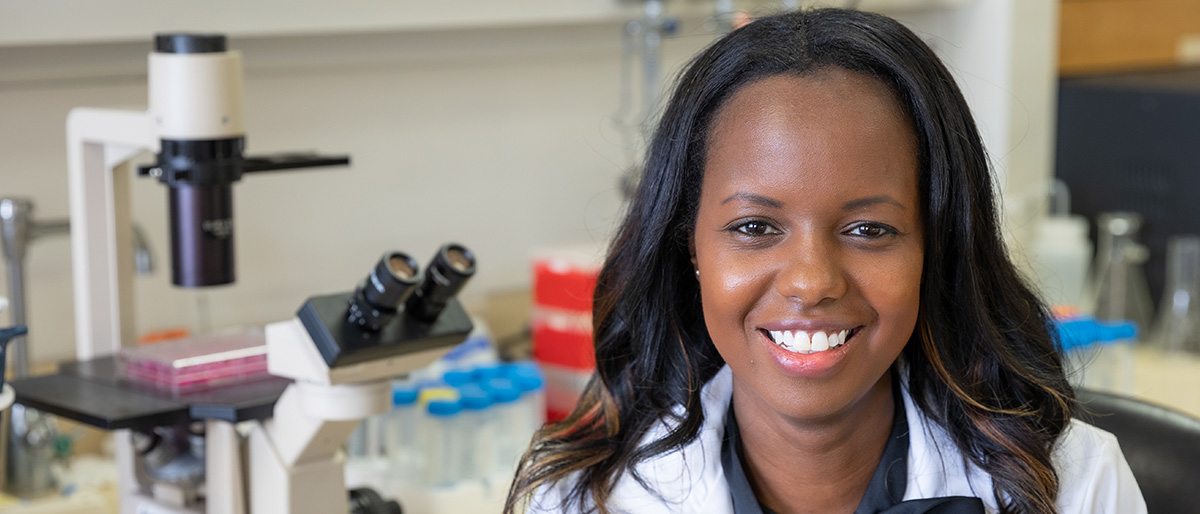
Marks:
<point>1093,475</point>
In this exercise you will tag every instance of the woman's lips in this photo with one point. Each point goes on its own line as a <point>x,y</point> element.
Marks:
<point>818,360</point>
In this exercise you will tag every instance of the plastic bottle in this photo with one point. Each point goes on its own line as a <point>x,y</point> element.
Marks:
<point>1061,252</point>
<point>1061,256</point>
<point>510,425</point>
<point>480,427</point>
<point>442,442</point>
<point>400,432</point>
<point>529,380</point>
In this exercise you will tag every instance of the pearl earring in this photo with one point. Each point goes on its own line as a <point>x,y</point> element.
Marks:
<point>697,273</point>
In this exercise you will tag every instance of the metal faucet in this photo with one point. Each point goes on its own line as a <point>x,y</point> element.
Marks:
<point>28,448</point>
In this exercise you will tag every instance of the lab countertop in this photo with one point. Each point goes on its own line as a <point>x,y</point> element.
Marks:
<point>1169,379</point>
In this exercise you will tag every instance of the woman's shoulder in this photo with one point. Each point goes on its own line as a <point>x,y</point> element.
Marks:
<point>1093,474</point>
<point>689,479</point>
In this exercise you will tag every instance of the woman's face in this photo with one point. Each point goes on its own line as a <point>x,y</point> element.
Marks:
<point>808,240</point>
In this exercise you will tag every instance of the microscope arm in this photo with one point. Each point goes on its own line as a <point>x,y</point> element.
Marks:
<point>98,142</point>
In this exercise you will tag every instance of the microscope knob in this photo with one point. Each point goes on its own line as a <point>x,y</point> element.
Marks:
<point>367,501</point>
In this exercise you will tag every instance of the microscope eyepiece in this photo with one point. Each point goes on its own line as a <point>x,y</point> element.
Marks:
<point>452,266</point>
<point>378,298</point>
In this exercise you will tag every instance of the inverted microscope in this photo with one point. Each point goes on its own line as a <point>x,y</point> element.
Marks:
<point>268,446</point>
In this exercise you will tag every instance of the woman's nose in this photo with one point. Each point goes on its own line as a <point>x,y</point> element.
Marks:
<point>811,272</point>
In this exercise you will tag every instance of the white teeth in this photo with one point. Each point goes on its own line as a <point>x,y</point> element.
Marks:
<point>800,342</point>
<point>838,339</point>
<point>803,345</point>
<point>820,342</point>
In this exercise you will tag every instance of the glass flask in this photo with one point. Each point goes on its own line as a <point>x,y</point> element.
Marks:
<point>1178,326</point>
<point>1120,290</point>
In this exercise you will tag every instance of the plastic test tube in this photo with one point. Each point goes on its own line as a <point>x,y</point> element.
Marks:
<point>400,429</point>
<point>480,427</point>
<point>509,424</point>
<point>528,379</point>
<point>442,442</point>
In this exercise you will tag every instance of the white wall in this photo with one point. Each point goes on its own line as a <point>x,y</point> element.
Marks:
<point>1004,54</point>
<point>497,136</point>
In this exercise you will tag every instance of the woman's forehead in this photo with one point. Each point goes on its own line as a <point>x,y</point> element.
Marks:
<point>824,131</point>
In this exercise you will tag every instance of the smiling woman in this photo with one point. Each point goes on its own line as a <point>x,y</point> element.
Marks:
<point>809,308</point>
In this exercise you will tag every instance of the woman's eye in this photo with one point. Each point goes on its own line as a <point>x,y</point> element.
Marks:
<point>871,230</point>
<point>755,228</point>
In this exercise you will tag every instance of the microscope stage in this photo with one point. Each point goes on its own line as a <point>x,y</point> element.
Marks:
<point>96,393</point>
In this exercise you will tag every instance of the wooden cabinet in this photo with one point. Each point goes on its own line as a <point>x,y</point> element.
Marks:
<point>1115,35</point>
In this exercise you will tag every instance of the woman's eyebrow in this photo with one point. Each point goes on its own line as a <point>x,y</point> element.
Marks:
<point>754,198</point>
<point>861,203</point>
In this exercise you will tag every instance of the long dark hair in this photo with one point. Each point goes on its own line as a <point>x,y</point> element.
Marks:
<point>981,362</point>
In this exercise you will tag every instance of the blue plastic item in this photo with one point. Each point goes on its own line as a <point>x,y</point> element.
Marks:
<point>403,395</point>
<point>502,390</point>
<point>485,373</point>
<point>457,378</point>
<point>1085,331</point>
<point>444,407</point>
<point>474,397</point>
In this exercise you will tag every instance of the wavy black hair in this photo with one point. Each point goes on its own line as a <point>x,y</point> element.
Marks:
<point>981,362</point>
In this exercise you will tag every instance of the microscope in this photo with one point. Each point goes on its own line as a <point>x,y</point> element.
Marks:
<point>270,446</point>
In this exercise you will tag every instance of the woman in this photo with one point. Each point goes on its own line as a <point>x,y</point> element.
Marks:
<point>809,307</point>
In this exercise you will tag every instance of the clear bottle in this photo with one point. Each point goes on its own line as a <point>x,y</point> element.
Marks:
<point>510,425</point>
<point>532,385</point>
<point>479,419</point>
<point>400,432</point>
<point>443,442</point>
<point>1178,325</point>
